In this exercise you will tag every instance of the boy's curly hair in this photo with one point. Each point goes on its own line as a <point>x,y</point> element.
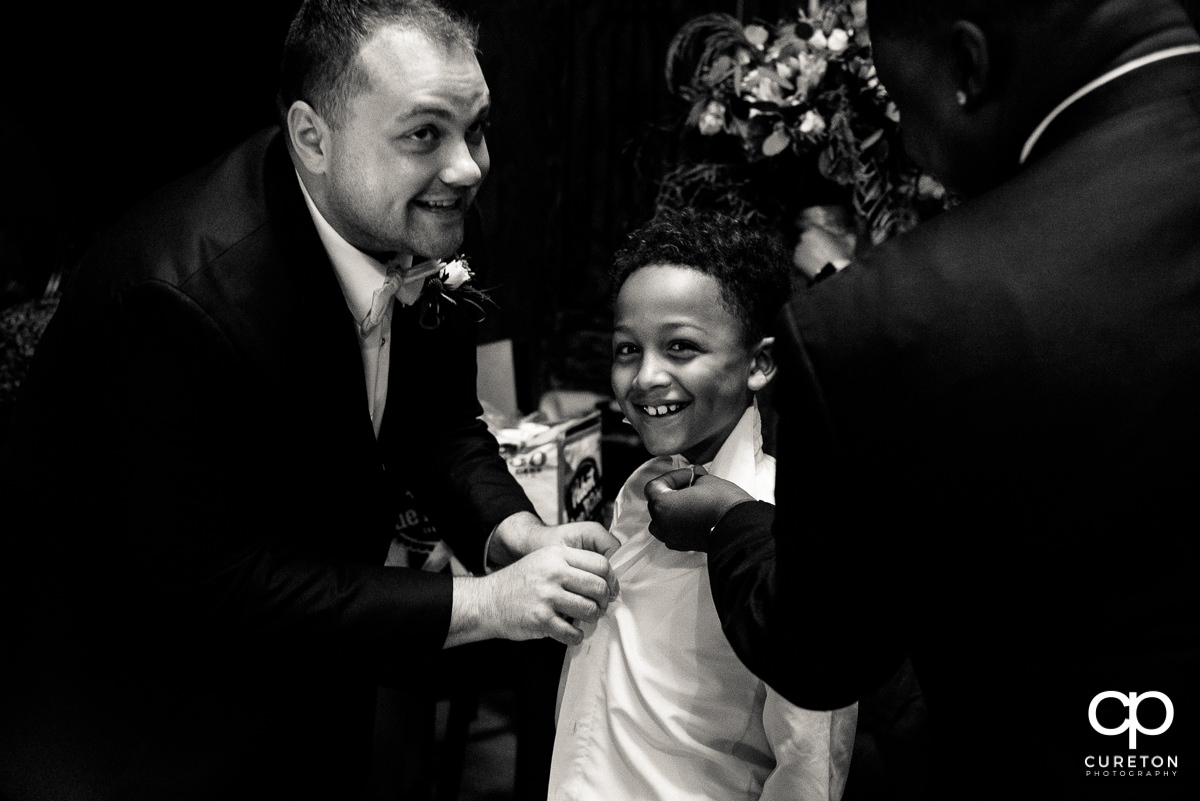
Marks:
<point>753,269</point>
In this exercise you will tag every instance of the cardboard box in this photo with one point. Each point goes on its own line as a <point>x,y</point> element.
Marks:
<point>559,467</point>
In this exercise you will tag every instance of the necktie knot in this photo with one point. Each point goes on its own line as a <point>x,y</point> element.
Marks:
<point>401,283</point>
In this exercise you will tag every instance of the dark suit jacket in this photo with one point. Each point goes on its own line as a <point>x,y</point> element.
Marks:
<point>987,455</point>
<point>194,575</point>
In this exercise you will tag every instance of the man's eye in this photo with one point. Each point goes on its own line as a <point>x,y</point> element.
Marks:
<point>477,131</point>
<point>423,135</point>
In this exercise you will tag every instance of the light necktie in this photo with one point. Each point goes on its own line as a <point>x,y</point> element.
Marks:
<point>403,284</point>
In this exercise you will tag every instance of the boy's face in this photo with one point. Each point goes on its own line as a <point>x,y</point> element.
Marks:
<point>682,371</point>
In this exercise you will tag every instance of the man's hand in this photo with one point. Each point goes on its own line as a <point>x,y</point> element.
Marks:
<point>545,594</point>
<point>553,577</point>
<point>685,504</point>
<point>523,533</point>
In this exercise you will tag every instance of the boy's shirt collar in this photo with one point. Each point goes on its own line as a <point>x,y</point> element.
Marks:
<point>739,453</point>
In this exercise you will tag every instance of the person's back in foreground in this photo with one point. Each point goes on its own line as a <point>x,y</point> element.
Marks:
<point>996,412</point>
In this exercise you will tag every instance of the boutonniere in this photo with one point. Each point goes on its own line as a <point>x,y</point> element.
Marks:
<point>450,284</point>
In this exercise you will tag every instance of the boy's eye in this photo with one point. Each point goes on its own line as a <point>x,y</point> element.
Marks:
<point>624,349</point>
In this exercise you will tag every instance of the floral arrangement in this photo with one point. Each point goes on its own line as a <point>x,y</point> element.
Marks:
<point>451,283</point>
<point>792,115</point>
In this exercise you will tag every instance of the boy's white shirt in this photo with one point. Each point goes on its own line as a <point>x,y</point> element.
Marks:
<point>654,704</point>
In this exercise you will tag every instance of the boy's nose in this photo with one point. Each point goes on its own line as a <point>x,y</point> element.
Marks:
<point>650,374</point>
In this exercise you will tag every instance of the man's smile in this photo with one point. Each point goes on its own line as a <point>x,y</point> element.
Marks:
<point>448,204</point>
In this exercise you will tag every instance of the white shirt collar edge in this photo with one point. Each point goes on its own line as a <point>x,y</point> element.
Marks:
<point>1111,75</point>
<point>358,274</point>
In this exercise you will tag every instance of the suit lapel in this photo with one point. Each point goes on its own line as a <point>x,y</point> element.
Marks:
<point>324,362</point>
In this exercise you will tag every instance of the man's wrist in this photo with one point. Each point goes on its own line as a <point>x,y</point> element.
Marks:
<point>729,509</point>
<point>466,612</point>
<point>736,518</point>
<point>513,538</point>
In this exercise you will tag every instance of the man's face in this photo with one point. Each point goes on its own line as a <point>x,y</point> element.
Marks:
<point>920,66</point>
<point>910,74</point>
<point>408,157</point>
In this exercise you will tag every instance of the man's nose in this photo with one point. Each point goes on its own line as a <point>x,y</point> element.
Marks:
<point>465,166</point>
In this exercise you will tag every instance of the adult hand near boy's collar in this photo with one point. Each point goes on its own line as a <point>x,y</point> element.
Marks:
<point>686,504</point>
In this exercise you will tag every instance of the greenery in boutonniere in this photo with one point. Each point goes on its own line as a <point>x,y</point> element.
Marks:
<point>791,115</point>
<point>451,284</point>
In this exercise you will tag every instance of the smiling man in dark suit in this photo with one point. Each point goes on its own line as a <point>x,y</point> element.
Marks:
<point>241,383</point>
<point>988,427</point>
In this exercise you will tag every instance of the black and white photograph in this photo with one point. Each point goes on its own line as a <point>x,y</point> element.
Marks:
<point>600,400</point>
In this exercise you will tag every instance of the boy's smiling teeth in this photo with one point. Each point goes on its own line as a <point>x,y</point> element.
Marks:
<point>659,411</point>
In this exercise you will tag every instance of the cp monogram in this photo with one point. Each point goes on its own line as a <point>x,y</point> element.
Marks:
<point>1131,722</point>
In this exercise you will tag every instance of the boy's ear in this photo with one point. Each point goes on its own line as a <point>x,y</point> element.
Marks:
<point>762,371</point>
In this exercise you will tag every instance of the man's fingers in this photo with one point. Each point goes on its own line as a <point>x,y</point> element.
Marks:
<point>599,539</point>
<point>578,607</point>
<point>667,482</point>
<point>564,631</point>
<point>664,537</point>
<point>590,536</point>
<point>592,567</point>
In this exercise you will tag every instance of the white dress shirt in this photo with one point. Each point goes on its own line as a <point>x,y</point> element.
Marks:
<point>655,704</point>
<point>360,275</point>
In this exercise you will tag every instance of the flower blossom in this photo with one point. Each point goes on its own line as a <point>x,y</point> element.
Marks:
<point>712,121</point>
<point>838,40</point>
<point>811,72</point>
<point>762,87</point>
<point>455,273</point>
<point>812,123</point>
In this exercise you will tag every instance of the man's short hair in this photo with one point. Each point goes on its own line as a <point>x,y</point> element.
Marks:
<point>754,271</point>
<point>321,52</point>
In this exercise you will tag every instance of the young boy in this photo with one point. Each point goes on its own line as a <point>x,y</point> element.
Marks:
<point>654,704</point>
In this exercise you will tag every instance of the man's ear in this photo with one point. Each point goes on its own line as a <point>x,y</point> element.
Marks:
<point>762,371</point>
<point>309,135</point>
<point>972,62</point>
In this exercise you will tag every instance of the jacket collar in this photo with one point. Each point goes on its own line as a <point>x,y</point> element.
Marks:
<point>1115,94</point>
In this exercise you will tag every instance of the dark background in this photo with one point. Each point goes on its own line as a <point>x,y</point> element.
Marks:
<point>105,102</point>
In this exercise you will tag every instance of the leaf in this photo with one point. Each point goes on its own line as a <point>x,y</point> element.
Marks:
<point>872,139</point>
<point>776,143</point>
<point>720,70</point>
<point>769,74</point>
<point>791,47</point>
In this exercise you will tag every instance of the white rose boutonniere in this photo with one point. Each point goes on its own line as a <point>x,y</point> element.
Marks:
<point>451,284</point>
<point>455,273</point>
